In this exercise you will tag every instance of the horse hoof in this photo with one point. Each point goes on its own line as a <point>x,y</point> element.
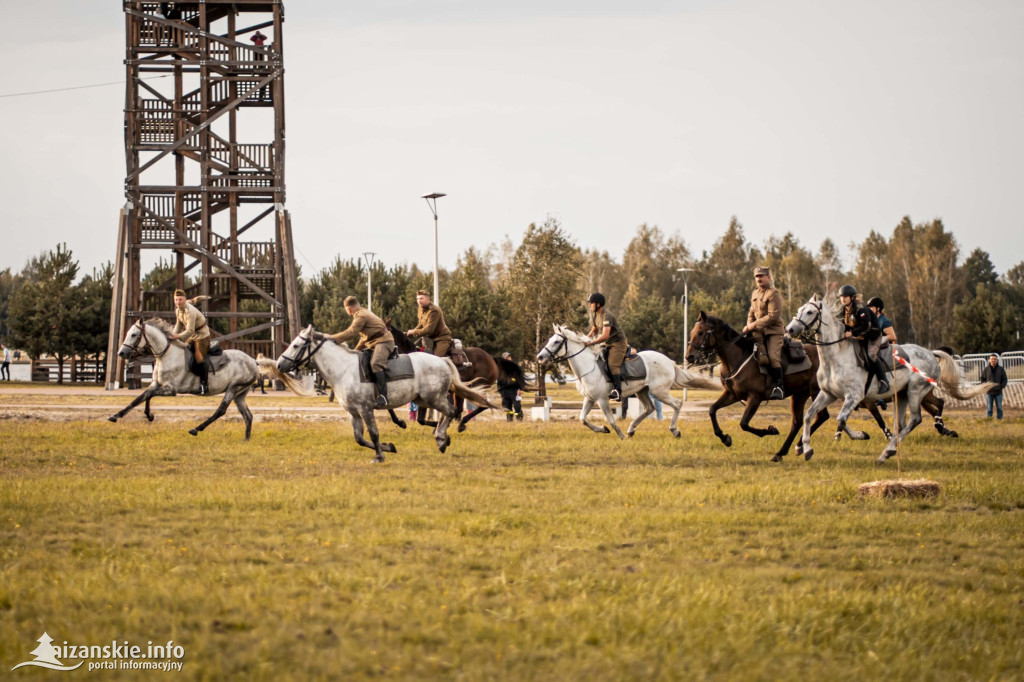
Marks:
<point>149,417</point>
<point>629,434</point>
<point>838,436</point>
<point>378,458</point>
<point>727,439</point>
<point>953,434</point>
<point>772,431</point>
<point>675,432</point>
<point>401,424</point>
<point>442,448</point>
<point>607,430</point>
<point>462,427</point>
<point>808,454</point>
<point>194,432</point>
<point>777,458</point>
<point>112,419</point>
<point>388,447</point>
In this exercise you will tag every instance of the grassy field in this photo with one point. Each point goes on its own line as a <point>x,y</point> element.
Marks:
<point>530,551</point>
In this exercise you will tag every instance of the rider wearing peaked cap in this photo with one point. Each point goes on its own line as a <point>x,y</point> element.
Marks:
<point>764,320</point>
<point>190,326</point>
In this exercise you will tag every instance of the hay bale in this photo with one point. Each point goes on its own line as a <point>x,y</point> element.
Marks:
<point>919,488</point>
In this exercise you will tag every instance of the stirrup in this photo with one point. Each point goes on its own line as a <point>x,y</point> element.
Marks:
<point>614,395</point>
<point>777,393</point>
<point>382,401</point>
<point>883,386</point>
<point>204,389</point>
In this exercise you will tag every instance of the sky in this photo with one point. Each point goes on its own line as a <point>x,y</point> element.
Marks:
<point>824,119</point>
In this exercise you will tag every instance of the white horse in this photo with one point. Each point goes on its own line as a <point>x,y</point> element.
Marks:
<point>432,379</point>
<point>171,376</point>
<point>840,376</point>
<point>662,375</point>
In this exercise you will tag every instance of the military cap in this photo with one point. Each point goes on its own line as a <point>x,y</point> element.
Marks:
<point>762,270</point>
<point>423,292</point>
<point>350,301</point>
<point>179,292</point>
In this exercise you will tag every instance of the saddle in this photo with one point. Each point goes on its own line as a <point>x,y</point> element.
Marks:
<point>399,367</point>
<point>794,358</point>
<point>214,361</point>
<point>884,354</point>
<point>633,368</point>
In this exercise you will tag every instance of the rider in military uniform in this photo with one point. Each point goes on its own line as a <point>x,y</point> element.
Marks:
<point>373,336</point>
<point>861,324</point>
<point>764,321</point>
<point>190,327</point>
<point>612,337</point>
<point>430,323</point>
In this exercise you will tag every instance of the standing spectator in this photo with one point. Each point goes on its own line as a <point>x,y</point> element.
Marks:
<point>994,373</point>
<point>258,39</point>
<point>5,368</point>
<point>262,381</point>
<point>511,395</point>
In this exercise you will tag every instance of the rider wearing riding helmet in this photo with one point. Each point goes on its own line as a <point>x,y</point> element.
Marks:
<point>612,337</point>
<point>861,324</point>
<point>877,305</point>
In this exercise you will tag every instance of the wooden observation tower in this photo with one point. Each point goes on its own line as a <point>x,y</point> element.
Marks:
<point>205,182</point>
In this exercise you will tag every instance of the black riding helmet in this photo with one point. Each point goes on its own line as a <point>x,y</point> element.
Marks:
<point>596,298</point>
<point>848,290</point>
<point>876,303</point>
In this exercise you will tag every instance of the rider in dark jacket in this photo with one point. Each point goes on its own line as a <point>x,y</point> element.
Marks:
<point>861,324</point>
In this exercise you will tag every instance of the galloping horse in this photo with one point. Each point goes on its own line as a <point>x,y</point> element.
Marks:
<point>171,376</point>
<point>662,375</point>
<point>432,378</point>
<point>743,380</point>
<point>485,371</point>
<point>840,376</point>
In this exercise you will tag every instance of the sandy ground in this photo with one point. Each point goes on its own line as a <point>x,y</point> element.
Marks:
<point>71,409</point>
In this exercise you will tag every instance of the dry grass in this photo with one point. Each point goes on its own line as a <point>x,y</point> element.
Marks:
<point>530,551</point>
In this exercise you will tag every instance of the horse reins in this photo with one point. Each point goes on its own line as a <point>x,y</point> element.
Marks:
<point>809,339</point>
<point>299,361</point>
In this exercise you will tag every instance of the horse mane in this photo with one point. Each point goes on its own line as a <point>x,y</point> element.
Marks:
<point>320,336</point>
<point>402,342</point>
<point>161,324</point>
<point>745,344</point>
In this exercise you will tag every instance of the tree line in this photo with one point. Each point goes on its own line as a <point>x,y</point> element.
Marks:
<point>506,298</point>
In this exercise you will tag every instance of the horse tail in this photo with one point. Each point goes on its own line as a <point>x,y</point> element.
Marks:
<point>464,391</point>
<point>268,368</point>
<point>949,379</point>
<point>508,369</point>
<point>686,379</point>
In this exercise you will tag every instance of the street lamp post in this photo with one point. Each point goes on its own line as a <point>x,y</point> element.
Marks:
<point>368,256</point>
<point>686,313</point>
<point>433,209</point>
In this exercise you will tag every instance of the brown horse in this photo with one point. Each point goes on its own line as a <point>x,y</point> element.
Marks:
<point>485,371</point>
<point>744,381</point>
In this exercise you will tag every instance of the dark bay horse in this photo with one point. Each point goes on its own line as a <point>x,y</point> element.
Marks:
<point>486,369</point>
<point>742,380</point>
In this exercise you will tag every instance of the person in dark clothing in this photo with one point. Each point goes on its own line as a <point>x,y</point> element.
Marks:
<point>861,324</point>
<point>994,372</point>
<point>511,395</point>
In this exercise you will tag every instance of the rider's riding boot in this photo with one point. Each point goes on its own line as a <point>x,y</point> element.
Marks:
<point>382,389</point>
<point>616,393</point>
<point>880,372</point>
<point>776,375</point>
<point>204,377</point>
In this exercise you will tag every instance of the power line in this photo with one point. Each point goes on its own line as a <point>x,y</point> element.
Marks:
<point>77,87</point>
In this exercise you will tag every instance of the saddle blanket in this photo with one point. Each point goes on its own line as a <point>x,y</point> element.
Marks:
<point>884,354</point>
<point>631,369</point>
<point>215,359</point>
<point>399,367</point>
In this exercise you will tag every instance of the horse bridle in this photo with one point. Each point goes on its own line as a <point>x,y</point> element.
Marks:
<point>813,327</point>
<point>299,361</point>
<point>137,347</point>
<point>561,345</point>
<point>704,352</point>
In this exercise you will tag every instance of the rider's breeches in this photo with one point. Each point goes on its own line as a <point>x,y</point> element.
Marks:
<point>872,347</point>
<point>442,345</point>
<point>773,346</point>
<point>200,347</point>
<point>381,352</point>
<point>616,354</point>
